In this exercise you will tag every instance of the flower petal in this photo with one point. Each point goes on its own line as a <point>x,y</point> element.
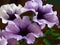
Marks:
<point>3,14</point>
<point>18,22</point>
<point>13,7</point>
<point>30,38</point>
<point>4,21</point>
<point>11,27</point>
<point>52,17</point>
<point>3,41</point>
<point>26,21</point>
<point>39,2</point>
<point>40,22</point>
<point>35,29</point>
<point>12,41</point>
<point>7,8</point>
<point>47,8</point>
<point>9,35</point>
<point>31,5</point>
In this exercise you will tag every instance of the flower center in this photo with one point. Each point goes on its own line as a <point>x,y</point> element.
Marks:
<point>24,32</point>
<point>11,16</point>
<point>40,16</point>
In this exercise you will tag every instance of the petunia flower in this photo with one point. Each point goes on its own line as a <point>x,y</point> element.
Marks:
<point>23,29</point>
<point>9,12</point>
<point>5,41</point>
<point>44,13</point>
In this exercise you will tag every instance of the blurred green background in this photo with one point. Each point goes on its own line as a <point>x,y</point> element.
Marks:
<point>52,36</point>
<point>54,2</point>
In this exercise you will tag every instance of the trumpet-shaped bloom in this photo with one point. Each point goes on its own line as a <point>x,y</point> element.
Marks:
<point>44,13</point>
<point>9,12</point>
<point>23,29</point>
<point>46,16</point>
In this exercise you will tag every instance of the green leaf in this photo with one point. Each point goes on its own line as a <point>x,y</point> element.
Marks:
<point>52,32</point>
<point>46,41</point>
<point>31,18</point>
<point>49,31</point>
<point>55,34</point>
<point>22,42</point>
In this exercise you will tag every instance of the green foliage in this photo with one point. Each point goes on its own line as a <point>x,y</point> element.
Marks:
<point>22,42</point>
<point>54,2</point>
<point>52,33</point>
<point>46,41</point>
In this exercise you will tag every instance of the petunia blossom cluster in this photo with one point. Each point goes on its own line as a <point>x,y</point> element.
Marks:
<point>19,28</point>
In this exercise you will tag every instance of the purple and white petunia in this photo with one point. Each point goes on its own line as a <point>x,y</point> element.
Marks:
<point>44,13</point>
<point>23,29</point>
<point>9,12</point>
<point>5,41</point>
<point>19,28</point>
